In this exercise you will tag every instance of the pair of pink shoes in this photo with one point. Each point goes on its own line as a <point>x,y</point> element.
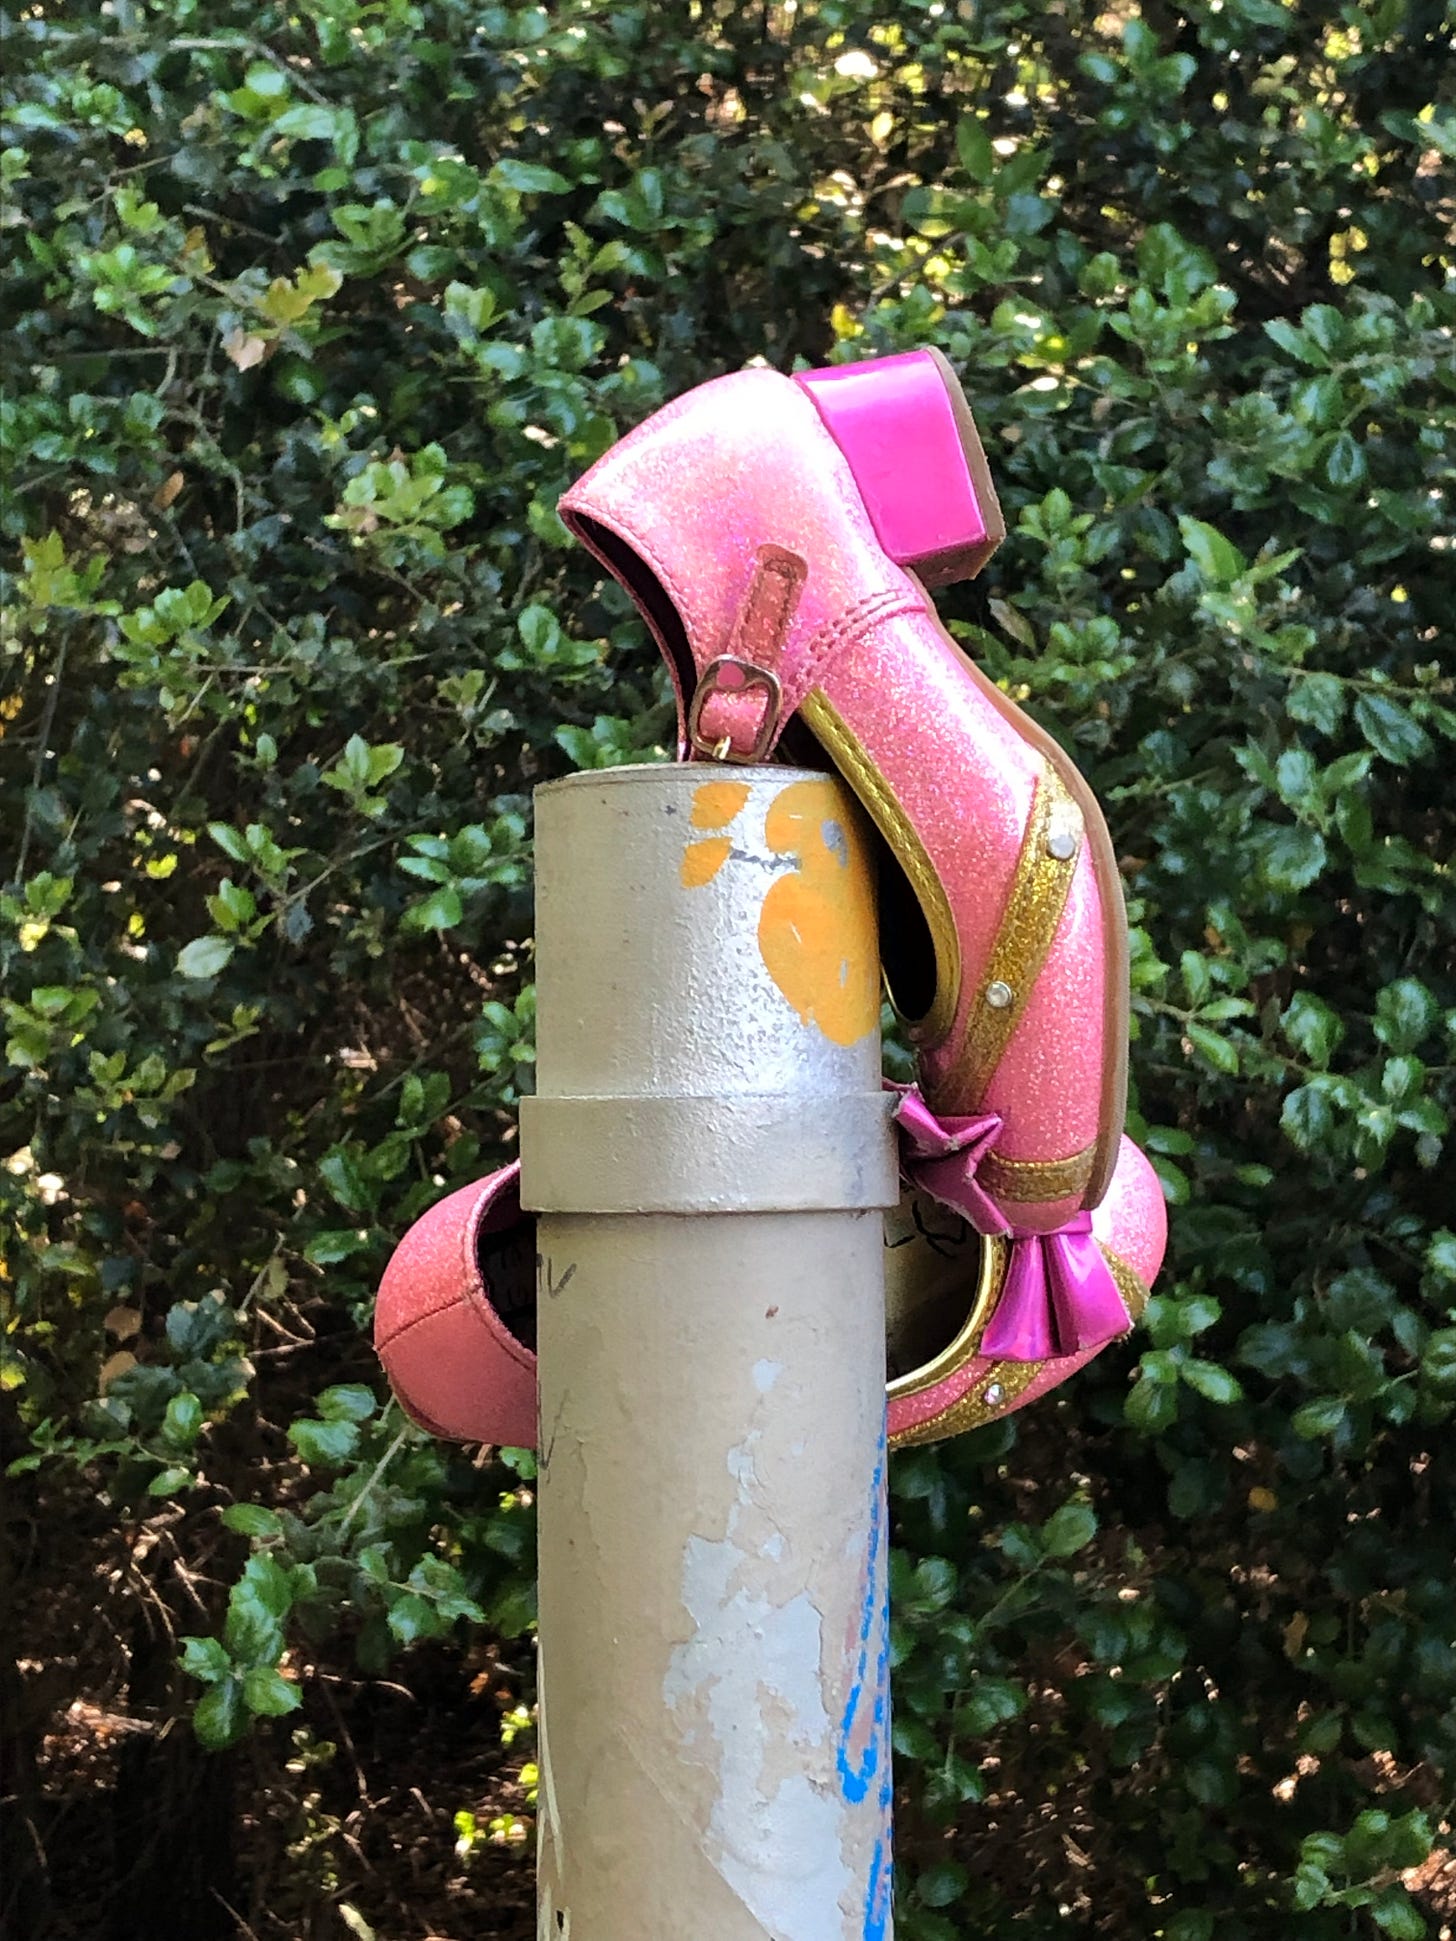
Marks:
<point>779,534</point>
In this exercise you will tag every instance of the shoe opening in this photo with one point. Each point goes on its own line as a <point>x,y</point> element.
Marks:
<point>506,1258</point>
<point>650,595</point>
<point>907,950</point>
<point>932,1267</point>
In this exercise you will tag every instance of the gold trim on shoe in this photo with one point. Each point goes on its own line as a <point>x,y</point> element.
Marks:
<point>1035,901</point>
<point>1004,1383</point>
<point>1021,1180</point>
<point>853,761</point>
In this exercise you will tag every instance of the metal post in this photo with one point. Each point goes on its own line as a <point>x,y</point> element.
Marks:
<point>710,1154</point>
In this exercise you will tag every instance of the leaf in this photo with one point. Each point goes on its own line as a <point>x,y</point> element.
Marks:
<point>943,1884</point>
<point>1218,560</point>
<point>1345,465</point>
<point>205,1659</point>
<point>182,1423</point>
<point>1213,1383</point>
<point>410,1617</point>
<point>383,759</point>
<point>1069,1529</point>
<point>973,146</point>
<point>205,957</point>
<point>229,841</point>
<point>1292,856</point>
<point>329,1444</point>
<point>268,1693</point>
<point>339,1171</point>
<point>1438,1359</point>
<point>1222,1055</point>
<point>1011,621</point>
<point>1307,1118</point>
<point>347,1402</point>
<point>1396,1914</point>
<point>219,1717</point>
<point>252,1520</point>
<point>1313,1027</point>
<point>1405,1014</point>
<point>257,1605</point>
<point>441,910</point>
<point>527,178</point>
<point>1321,1418</point>
<point>1151,1406</point>
<point>1391,730</point>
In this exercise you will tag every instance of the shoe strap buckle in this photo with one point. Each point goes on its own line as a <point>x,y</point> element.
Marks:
<point>729,677</point>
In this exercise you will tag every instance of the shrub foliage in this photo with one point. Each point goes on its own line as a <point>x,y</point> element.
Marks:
<point>311,314</point>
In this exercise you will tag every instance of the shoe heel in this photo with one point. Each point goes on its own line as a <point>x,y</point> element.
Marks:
<point>905,427</point>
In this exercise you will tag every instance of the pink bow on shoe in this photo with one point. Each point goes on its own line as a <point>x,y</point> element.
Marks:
<point>1059,1297</point>
<point>941,1156</point>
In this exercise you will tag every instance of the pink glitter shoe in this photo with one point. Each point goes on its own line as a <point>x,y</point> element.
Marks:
<point>778,534</point>
<point>455,1321</point>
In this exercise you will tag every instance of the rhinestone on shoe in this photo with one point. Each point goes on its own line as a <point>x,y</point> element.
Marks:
<point>1062,846</point>
<point>994,1396</point>
<point>999,995</point>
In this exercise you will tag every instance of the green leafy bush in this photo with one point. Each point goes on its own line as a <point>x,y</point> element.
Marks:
<point>312,313</point>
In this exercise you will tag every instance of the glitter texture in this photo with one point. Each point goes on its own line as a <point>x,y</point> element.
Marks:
<point>960,782</point>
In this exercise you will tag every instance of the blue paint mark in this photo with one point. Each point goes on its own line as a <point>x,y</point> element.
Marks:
<point>855,1775</point>
<point>880,1896</point>
<point>872,1675</point>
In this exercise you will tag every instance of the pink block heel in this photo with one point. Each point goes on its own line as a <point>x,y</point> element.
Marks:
<point>905,428</point>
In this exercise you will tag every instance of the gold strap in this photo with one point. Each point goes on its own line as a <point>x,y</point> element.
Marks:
<point>853,761</point>
<point>1024,1181</point>
<point>1006,1381</point>
<point>1132,1287</point>
<point>1034,904</point>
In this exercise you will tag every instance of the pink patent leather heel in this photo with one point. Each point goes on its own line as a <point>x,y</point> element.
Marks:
<point>905,428</point>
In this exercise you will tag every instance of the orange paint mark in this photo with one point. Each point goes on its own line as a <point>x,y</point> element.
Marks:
<point>702,861</point>
<point>716,803</point>
<point>817,928</point>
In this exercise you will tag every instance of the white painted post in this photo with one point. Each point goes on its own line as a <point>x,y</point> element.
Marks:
<point>710,1155</point>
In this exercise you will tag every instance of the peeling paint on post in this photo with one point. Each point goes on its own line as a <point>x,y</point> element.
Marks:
<point>710,1153</point>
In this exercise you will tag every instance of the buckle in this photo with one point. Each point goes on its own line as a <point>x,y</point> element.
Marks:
<point>711,684</point>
